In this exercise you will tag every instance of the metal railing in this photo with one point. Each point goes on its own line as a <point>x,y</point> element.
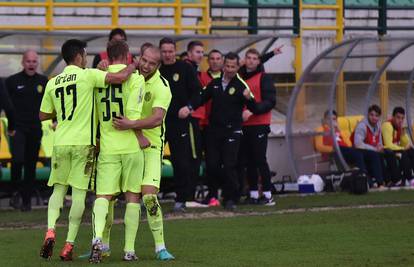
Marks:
<point>49,5</point>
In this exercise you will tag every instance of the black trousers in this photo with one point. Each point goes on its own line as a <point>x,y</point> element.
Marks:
<point>252,157</point>
<point>374,162</point>
<point>196,153</point>
<point>221,160</point>
<point>182,158</point>
<point>25,145</point>
<point>401,163</point>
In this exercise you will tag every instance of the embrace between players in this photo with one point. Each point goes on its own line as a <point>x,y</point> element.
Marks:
<point>80,97</point>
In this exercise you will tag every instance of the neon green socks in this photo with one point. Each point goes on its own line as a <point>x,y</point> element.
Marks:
<point>131,221</point>
<point>100,211</point>
<point>55,204</point>
<point>155,221</point>
<point>75,213</point>
<point>109,221</point>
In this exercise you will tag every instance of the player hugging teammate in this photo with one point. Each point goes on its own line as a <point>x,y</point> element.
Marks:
<point>131,107</point>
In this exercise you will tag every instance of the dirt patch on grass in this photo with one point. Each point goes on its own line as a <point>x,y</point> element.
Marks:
<point>220,214</point>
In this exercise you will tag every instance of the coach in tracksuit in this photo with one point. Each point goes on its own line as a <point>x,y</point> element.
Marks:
<point>26,91</point>
<point>229,95</point>
<point>256,127</point>
<point>185,88</point>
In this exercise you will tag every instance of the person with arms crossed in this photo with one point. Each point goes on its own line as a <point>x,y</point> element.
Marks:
<point>69,98</point>
<point>156,101</point>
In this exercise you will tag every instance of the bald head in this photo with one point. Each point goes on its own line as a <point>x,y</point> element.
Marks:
<point>149,61</point>
<point>30,62</point>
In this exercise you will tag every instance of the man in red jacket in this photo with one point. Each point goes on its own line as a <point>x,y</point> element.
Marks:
<point>215,63</point>
<point>116,34</point>
<point>256,127</point>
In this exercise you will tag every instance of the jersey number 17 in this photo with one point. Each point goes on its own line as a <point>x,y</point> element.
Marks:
<point>60,93</point>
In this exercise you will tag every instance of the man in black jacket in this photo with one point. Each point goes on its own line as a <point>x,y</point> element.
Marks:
<point>6,105</point>
<point>26,89</point>
<point>185,89</point>
<point>229,95</point>
<point>256,128</point>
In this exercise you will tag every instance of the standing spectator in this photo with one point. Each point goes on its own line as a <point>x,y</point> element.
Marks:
<point>256,127</point>
<point>26,91</point>
<point>215,63</point>
<point>367,138</point>
<point>229,95</point>
<point>398,145</point>
<point>117,34</point>
<point>185,89</point>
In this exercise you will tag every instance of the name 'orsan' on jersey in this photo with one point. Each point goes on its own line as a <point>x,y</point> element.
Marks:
<point>70,94</point>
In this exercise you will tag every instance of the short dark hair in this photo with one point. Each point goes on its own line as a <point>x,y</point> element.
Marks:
<point>253,51</point>
<point>117,49</point>
<point>166,40</point>
<point>71,48</point>
<point>183,54</point>
<point>375,108</point>
<point>400,110</point>
<point>117,31</point>
<point>232,56</point>
<point>145,46</point>
<point>193,44</point>
<point>327,113</point>
<point>214,51</point>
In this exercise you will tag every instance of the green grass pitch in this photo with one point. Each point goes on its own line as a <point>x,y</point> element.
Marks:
<point>376,229</point>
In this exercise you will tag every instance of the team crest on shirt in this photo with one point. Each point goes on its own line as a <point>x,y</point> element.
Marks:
<point>176,77</point>
<point>147,96</point>
<point>232,90</point>
<point>39,88</point>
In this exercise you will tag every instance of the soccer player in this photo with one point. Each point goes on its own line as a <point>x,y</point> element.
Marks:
<point>215,61</point>
<point>398,146</point>
<point>156,101</point>
<point>69,98</point>
<point>367,139</point>
<point>120,164</point>
<point>256,127</point>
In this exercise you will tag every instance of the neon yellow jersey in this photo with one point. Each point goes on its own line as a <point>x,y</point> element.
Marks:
<point>157,95</point>
<point>70,95</point>
<point>119,99</point>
